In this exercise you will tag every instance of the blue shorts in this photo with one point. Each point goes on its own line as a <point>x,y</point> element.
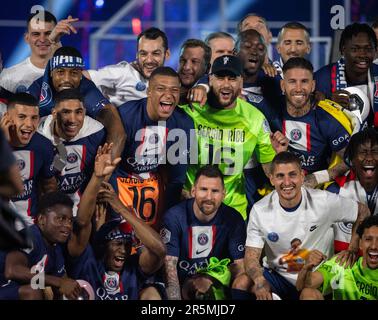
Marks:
<point>9,291</point>
<point>280,285</point>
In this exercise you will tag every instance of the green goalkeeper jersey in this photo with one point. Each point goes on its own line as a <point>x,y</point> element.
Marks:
<point>356,283</point>
<point>228,138</point>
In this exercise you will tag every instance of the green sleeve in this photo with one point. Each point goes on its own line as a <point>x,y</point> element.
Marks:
<point>264,150</point>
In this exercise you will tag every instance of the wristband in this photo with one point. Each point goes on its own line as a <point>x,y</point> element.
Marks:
<point>321,176</point>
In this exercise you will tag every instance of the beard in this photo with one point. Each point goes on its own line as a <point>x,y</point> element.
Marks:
<point>215,102</point>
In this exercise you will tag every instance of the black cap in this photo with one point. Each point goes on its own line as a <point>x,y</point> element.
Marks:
<point>227,65</point>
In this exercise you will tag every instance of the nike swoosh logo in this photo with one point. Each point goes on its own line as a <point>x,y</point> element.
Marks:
<point>69,169</point>
<point>199,252</point>
<point>313,228</point>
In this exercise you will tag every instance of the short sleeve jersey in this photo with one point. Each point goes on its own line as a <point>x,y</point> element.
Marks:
<point>356,283</point>
<point>313,137</point>
<point>194,242</point>
<point>275,227</point>
<point>228,138</point>
<point>35,162</point>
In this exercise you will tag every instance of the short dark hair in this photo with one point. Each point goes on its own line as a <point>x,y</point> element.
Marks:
<point>195,43</point>
<point>296,26</point>
<point>371,221</point>
<point>353,30</point>
<point>22,98</point>
<point>209,171</point>
<point>298,62</point>
<point>67,51</point>
<point>152,34</point>
<point>218,35</point>
<point>44,15</point>
<point>244,34</point>
<point>366,135</point>
<point>284,157</point>
<point>164,71</point>
<point>239,25</point>
<point>68,94</point>
<point>51,199</point>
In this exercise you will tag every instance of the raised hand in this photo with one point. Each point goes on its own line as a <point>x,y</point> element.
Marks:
<point>103,162</point>
<point>63,27</point>
<point>6,124</point>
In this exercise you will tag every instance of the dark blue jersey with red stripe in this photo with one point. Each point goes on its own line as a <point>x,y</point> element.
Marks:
<point>35,162</point>
<point>194,242</point>
<point>313,137</point>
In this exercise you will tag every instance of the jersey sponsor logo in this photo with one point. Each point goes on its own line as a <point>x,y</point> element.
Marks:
<point>69,169</point>
<point>345,227</point>
<point>266,126</point>
<point>340,139</point>
<point>272,236</point>
<point>241,247</point>
<point>201,241</point>
<point>313,228</point>
<point>191,269</point>
<point>140,86</point>
<point>254,98</point>
<point>165,235</point>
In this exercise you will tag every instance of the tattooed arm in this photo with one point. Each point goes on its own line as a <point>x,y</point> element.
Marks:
<point>261,287</point>
<point>171,278</point>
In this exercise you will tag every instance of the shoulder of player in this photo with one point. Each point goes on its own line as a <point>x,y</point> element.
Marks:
<point>40,142</point>
<point>182,118</point>
<point>229,213</point>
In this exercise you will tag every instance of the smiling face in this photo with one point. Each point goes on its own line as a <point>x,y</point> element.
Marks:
<point>365,163</point>
<point>287,179</point>
<point>37,37</point>
<point>369,247</point>
<point>298,85</point>
<point>252,54</point>
<point>192,66</point>
<point>293,44</point>
<point>69,118</point>
<point>25,122</point>
<point>359,54</point>
<point>208,194</point>
<point>226,89</point>
<point>117,251</point>
<point>66,78</point>
<point>163,95</point>
<point>56,224</point>
<point>151,54</point>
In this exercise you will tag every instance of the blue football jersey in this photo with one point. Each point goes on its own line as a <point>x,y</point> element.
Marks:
<point>194,242</point>
<point>35,162</point>
<point>313,137</point>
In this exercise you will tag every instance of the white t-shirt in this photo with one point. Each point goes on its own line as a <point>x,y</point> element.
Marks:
<point>120,83</point>
<point>271,225</point>
<point>19,77</point>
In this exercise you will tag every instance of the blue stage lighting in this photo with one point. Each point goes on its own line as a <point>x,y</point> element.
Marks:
<point>99,3</point>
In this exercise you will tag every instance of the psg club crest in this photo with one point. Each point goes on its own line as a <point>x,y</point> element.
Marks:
<point>272,236</point>
<point>72,158</point>
<point>111,282</point>
<point>20,164</point>
<point>203,239</point>
<point>295,134</point>
<point>140,86</point>
<point>46,95</point>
